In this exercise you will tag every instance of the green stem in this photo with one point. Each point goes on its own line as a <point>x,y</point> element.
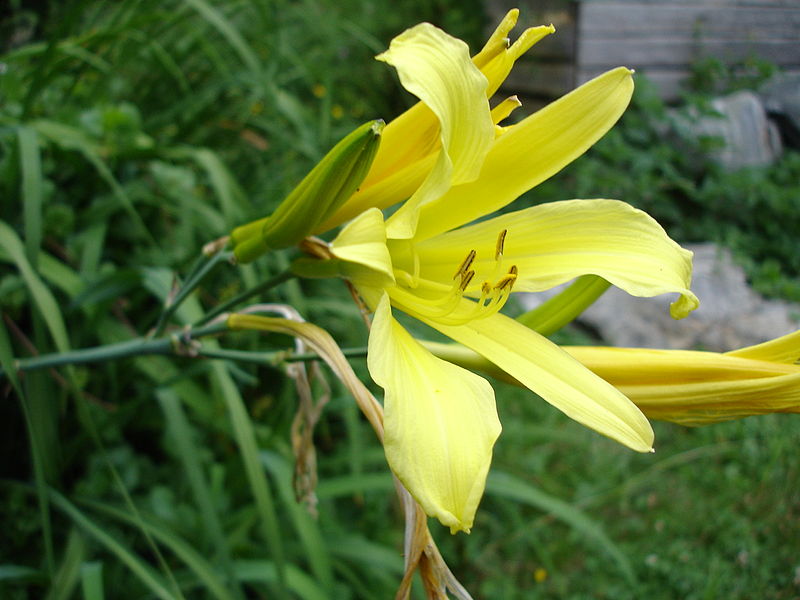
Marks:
<point>135,347</point>
<point>272,358</point>
<point>247,294</point>
<point>196,275</point>
<point>563,308</point>
<point>168,346</point>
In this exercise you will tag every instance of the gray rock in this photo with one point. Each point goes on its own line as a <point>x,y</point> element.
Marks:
<point>781,97</point>
<point>748,138</point>
<point>731,315</point>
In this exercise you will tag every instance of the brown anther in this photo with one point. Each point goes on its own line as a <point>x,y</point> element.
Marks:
<point>465,264</point>
<point>486,288</point>
<point>501,240</point>
<point>508,279</point>
<point>466,279</point>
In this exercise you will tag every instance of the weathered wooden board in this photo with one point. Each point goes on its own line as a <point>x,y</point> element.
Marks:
<point>698,21</point>
<point>661,38</point>
<point>637,53</point>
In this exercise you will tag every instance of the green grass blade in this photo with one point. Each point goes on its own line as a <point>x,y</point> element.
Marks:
<point>231,197</point>
<point>505,485</point>
<point>361,551</point>
<point>68,573</point>
<point>42,298</point>
<point>308,533</point>
<point>31,167</point>
<point>248,448</point>
<point>37,455</point>
<point>218,21</point>
<point>348,485</point>
<point>181,548</point>
<point>18,572</point>
<point>71,138</point>
<point>143,572</point>
<point>181,434</point>
<point>297,581</point>
<point>92,581</point>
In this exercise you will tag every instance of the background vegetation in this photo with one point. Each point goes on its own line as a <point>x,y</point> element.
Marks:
<point>133,132</point>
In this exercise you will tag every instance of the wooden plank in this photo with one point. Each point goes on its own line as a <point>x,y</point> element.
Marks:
<point>699,21</point>
<point>724,3</point>
<point>637,53</point>
<point>532,78</point>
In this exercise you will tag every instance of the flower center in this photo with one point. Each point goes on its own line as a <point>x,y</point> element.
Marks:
<point>444,303</point>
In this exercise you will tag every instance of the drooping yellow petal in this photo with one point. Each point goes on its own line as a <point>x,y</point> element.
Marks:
<point>437,69</point>
<point>555,242</point>
<point>562,381</point>
<point>695,388</point>
<point>361,245</point>
<point>533,150</point>
<point>440,422</point>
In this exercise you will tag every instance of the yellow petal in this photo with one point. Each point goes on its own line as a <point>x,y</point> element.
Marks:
<point>562,381</point>
<point>437,69</point>
<point>785,349</point>
<point>440,422</point>
<point>555,242</point>
<point>362,245</point>
<point>695,388</point>
<point>497,58</point>
<point>533,150</point>
<point>412,140</point>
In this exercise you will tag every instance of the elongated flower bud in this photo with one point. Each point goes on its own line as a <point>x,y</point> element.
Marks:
<point>316,197</point>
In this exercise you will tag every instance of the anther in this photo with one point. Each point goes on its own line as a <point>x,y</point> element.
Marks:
<point>466,279</point>
<point>508,280</point>
<point>465,265</point>
<point>501,240</point>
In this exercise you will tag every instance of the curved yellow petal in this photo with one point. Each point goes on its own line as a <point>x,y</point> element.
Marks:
<point>361,245</point>
<point>437,69</point>
<point>555,242</point>
<point>532,150</point>
<point>561,380</point>
<point>785,349</point>
<point>440,422</point>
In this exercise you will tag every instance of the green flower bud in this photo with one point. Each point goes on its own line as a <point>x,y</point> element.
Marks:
<point>317,197</point>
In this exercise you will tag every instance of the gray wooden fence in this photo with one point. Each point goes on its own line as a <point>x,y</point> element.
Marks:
<point>660,38</point>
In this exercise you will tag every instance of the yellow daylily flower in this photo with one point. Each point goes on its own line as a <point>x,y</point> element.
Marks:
<point>441,421</point>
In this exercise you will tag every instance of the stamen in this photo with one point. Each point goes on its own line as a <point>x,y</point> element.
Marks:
<point>501,240</point>
<point>508,279</point>
<point>447,304</point>
<point>466,279</point>
<point>466,264</point>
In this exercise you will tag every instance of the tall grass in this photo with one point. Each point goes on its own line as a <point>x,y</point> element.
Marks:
<point>133,132</point>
